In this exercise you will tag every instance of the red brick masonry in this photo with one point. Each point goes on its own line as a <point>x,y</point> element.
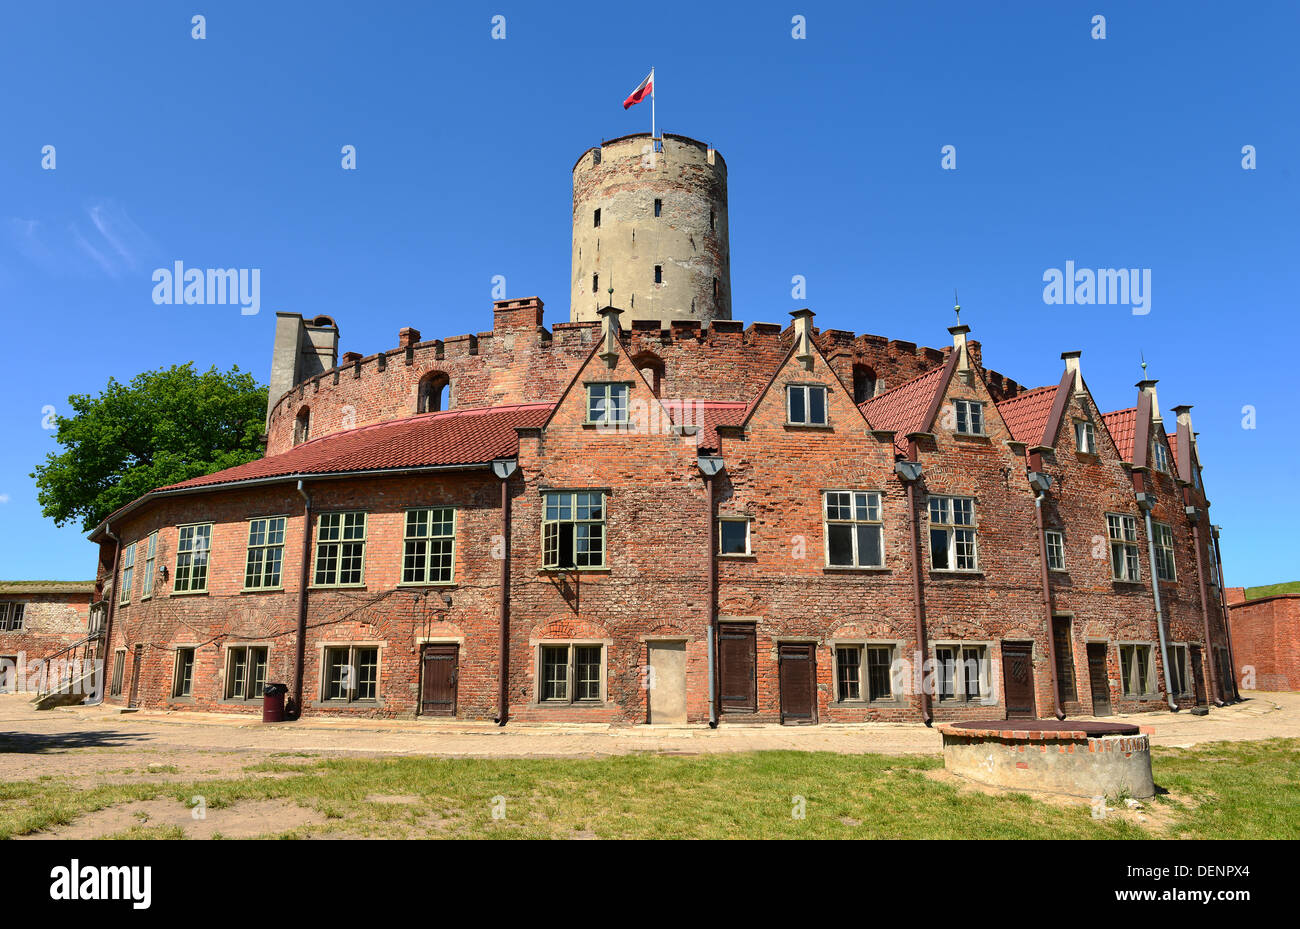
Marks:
<point>1266,638</point>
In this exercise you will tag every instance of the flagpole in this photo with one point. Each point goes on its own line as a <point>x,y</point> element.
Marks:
<point>653,140</point>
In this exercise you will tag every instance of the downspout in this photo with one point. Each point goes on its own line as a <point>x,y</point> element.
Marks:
<point>910,471</point>
<point>1223,606</point>
<point>300,648</point>
<point>711,632</point>
<point>1145,502</point>
<point>503,645</point>
<point>1047,601</point>
<point>1205,607</point>
<point>112,607</point>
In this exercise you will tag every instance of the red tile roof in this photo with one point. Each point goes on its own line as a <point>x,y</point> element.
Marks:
<point>1026,414</point>
<point>1121,424</point>
<point>901,409</point>
<point>454,437</point>
<point>709,415</point>
<point>1173,450</point>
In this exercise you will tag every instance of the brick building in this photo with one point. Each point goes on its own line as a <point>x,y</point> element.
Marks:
<point>621,520</point>
<point>39,619</point>
<point>1266,638</point>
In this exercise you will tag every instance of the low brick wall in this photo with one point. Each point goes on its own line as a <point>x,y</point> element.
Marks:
<point>1068,761</point>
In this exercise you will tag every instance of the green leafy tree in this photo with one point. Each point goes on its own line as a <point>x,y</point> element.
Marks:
<point>166,426</point>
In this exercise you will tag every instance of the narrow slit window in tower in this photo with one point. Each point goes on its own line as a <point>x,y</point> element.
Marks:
<point>659,274</point>
<point>595,219</point>
<point>659,206</point>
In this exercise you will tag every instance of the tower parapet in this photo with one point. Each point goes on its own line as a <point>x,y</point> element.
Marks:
<point>653,226</point>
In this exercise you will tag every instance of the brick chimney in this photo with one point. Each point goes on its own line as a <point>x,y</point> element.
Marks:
<point>407,337</point>
<point>959,345</point>
<point>803,351</point>
<point>516,314</point>
<point>610,330</point>
<point>1148,386</point>
<point>1072,365</point>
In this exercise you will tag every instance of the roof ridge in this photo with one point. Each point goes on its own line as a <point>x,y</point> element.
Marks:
<point>437,414</point>
<point>906,383</point>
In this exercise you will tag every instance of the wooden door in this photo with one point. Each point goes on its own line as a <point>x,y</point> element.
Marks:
<point>667,683</point>
<point>798,678</point>
<point>737,667</point>
<point>439,672</point>
<point>1018,679</point>
<point>1198,675</point>
<point>1099,679</point>
<point>136,657</point>
<point>1064,658</point>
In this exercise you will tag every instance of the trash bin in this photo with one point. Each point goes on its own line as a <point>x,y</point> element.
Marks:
<point>273,703</point>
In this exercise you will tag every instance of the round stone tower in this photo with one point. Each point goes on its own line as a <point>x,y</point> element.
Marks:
<point>653,226</point>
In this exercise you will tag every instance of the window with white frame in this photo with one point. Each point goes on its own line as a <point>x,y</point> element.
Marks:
<point>193,548</point>
<point>350,673</point>
<point>607,403</point>
<point>1055,550</point>
<point>1178,669</point>
<point>961,673</point>
<point>183,679</point>
<point>264,564</point>
<point>806,404</point>
<point>733,535</point>
<point>573,529</point>
<point>245,672</point>
<point>11,616</point>
<point>970,417</point>
<point>571,673</point>
<point>128,573</point>
<point>151,554</point>
<point>854,529</point>
<point>864,673</point>
<point>1159,456</point>
<point>429,556</point>
<point>341,549</point>
<point>1164,539</point>
<point>1122,532</point>
<point>1085,437</point>
<point>952,534</point>
<point>1137,670</point>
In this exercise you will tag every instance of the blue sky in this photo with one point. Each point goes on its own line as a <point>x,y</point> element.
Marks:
<point>225,152</point>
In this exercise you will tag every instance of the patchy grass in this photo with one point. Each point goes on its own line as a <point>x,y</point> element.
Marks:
<point>1221,790</point>
<point>1272,590</point>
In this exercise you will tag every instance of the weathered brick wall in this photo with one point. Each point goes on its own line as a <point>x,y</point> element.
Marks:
<point>50,621</point>
<point>1266,639</point>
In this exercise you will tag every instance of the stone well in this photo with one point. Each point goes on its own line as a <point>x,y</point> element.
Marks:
<point>1083,759</point>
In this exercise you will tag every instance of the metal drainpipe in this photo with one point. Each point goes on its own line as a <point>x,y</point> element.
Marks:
<point>711,632</point>
<point>300,648</point>
<point>1155,595</point>
<point>1223,607</point>
<point>503,684</point>
<point>112,606</point>
<point>918,606</point>
<point>1205,608</point>
<point>1047,602</point>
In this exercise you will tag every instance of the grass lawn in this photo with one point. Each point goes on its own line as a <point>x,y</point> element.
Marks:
<point>1271,590</point>
<point>1223,790</point>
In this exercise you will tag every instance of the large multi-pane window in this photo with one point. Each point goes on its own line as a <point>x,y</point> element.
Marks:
<point>245,672</point>
<point>429,555</point>
<point>193,548</point>
<point>854,529</point>
<point>351,673</point>
<point>573,529</point>
<point>1123,534</point>
<point>571,673</point>
<point>970,417</point>
<point>341,549</point>
<point>864,670</point>
<point>806,404</point>
<point>11,617</point>
<point>183,681</point>
<point>952,534</point>
<point>607,403</point>
<point>961,672</point>
<point>265,562</point>
<point>1055,550</point>
<point>1164,539</point>
<point>1137,670</point>
<point>128,573</point>
<point>151,554</point>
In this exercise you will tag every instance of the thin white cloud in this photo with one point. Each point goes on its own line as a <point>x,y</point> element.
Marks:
<point>109,267</point>
<point>111,244</point>
<point>4,498</point>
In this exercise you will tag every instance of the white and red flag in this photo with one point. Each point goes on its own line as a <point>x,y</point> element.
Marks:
<point>645,89</point>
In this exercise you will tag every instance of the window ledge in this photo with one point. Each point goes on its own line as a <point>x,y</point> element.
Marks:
<point>575,705</point>
<point>952,572</point>
<point>601,570</point>
<point>824,427</point>
<point>890,704</point>
<point>417,584</point>
<point>346,704</point>
<point>262,590</point>
<point>857,569</point>
<point>748,556</point>
<point>188,593</point>
<point>974,436</point>
<point>336,586</point>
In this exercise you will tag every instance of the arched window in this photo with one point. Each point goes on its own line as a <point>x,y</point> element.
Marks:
<point>434,394</point>
<point>652,368</point>
<point>302,426</point>
<point>864,383</point>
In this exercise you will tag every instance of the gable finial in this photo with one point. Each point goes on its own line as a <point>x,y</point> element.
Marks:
<point>956,305</point>
<point>1142,356</point>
